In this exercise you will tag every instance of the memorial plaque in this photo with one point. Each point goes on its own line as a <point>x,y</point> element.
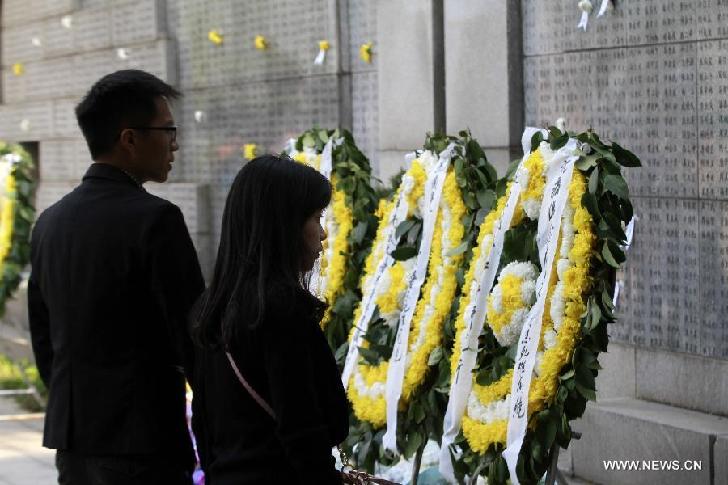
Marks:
<point>65,124</point>
<point>57,161</point>
<point>362,17</point>
<point>50,79</point>
<point>713,119</point>
<point>58,39</point>
<point>551,27</point>
<point>291,28</point>
<point>93,27</point>
<point>17,45</point>
<point>365,117</point>
<point>713,295</point>
<point>147,24</point>
<point>711,18</point>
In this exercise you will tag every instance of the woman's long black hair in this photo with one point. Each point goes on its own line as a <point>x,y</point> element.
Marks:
<point>261,246</point>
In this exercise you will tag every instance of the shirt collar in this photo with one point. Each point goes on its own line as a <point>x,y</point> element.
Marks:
<point>110,172</point>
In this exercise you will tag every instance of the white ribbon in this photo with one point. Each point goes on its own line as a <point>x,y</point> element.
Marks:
<point>326,162</point>
<point>397,363</point>
<point>603,8</point>
<point>558,177</point>
<point>619,284</point>
<point>368,301</point>
<point>584,21</point>
<point>474,317</point>
<point>320,57</point>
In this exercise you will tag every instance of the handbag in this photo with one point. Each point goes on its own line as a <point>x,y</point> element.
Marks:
<point>350,477</point>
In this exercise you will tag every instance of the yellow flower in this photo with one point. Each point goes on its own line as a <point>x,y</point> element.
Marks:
<point>260,42</point>
<point>215,37</point>
<point>480,435</point>
<point>250,151</point>
<point>335,270</point>
<point>324,45</point>
<point>18,69</point>
<point>365,52</point>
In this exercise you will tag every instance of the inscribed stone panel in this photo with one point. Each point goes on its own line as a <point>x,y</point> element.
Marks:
<point>551,27</point>
<point>58,38</point>
<point>713,119</point>
<point>366,114</point>
<point>711,18</point>
<point>92,28</point>
<point>50,79</point>
<point>362,18</point>
<point>291,27</point>
<point>63,160</point>
<point>642,97</point>
<point>65,124</point>
<point>17,43</point>
<point>659,303</point>
<point>147,24</point>
<point>713,295</point>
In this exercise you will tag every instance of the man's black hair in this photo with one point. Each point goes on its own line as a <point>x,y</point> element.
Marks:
<point>119,100</point>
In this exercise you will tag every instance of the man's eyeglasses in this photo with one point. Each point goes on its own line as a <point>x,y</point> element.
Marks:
<point>172,130</point>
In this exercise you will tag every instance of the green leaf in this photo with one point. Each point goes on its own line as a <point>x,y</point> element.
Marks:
<point>590,202</point>
<point>536,140</point>
<point>404,227</point>
<point>435,356</point>
<point>486,199</point>
<point>587,162</point>
<point>404,253</point>
<point>625,157</point>
<point>459,249</point>
<point>594,181</point>
<point>590,394</point>
<point>412,445</point>
<point>357,235</point>
<point>616,185</point>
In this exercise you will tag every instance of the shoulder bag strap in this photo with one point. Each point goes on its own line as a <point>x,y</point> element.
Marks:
<point>266,407</point>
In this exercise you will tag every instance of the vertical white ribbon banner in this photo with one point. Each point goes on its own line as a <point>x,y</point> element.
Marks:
<point>558,177</point>
<point>619,284</point>
<point>397,363</point>
<point>603,8</point>
<point>398,214</point>
<point>325,168</point>
<point>475,317</point>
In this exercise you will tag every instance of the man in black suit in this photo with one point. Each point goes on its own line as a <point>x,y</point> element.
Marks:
<point>114,275</point>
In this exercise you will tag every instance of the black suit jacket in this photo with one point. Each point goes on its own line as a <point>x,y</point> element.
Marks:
<point>114,274</point>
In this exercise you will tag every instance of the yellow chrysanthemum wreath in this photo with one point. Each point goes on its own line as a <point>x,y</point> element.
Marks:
<point>485,421</point>
<point>348,222</point>
<point>16,216</point>
<point>367,383</point>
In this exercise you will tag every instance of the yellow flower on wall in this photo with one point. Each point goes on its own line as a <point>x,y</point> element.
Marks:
<point>18,69</point>
<point>215,37</point>
<point>250,151</point>
<point>260,42</point>
<point>365,52</point>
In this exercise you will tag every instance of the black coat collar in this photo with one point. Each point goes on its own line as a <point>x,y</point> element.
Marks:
<point>110,172</point>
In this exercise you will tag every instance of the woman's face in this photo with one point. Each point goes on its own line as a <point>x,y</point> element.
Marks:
<point>313,234</point>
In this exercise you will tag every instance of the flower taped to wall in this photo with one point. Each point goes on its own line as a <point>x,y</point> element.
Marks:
<point>535,306</point>
<point>17,184</point>
<point>349,222</point>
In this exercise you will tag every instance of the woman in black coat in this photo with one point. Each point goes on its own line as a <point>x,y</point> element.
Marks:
<point>258,318</point>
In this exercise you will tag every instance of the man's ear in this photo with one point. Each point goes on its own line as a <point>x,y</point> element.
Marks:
<point>128,139</point>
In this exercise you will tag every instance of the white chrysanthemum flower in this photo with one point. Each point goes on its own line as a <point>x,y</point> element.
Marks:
<point>546,152</point>
<point>537,364</point>
<point>532,208</point>
<point>510,333</point>
<point>528,291</point>
<point>549,339</point>
<point>429,160</point>
<point>558,306</point>
<point>561,266</point>
<point>376,390</point>
<point>521,269</point>
<point>488,412</point>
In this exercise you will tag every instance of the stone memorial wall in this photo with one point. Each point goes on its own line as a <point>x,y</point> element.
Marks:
<point>654,76</point>
<point>234,94</point>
